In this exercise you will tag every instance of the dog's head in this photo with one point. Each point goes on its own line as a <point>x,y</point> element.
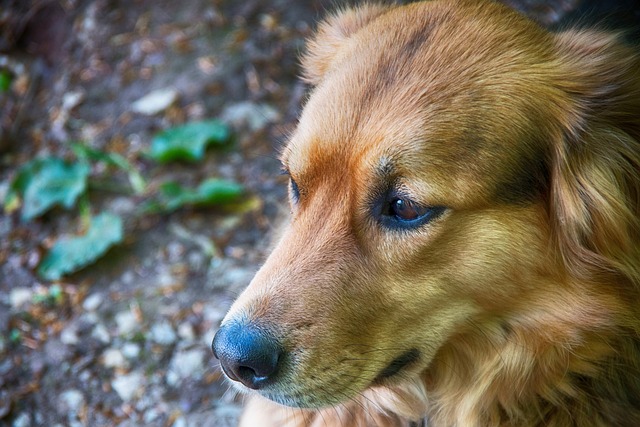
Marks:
<point>442,179</point>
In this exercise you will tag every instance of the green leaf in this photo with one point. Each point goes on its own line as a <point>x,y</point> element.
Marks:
<point>114,159</point>
<point>69,255</point>
<point>212,191</point>
<point>5,80</point>
<point>188,142</point>
<point>44,183</point>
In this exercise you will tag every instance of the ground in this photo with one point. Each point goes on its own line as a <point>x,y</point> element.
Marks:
<point>126,341</point>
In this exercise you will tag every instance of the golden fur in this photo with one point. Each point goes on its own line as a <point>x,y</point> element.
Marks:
<point>520,304</point>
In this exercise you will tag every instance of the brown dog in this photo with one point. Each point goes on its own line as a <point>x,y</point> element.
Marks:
<point>464,246</point>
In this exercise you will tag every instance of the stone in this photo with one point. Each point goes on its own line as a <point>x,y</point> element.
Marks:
<point>128,386</point>
<point>127,322</point>
<point>20,297</point>
<point>71,401</point>
<point>113,358</point>
<point>92,302</point>
<point>162,333</point>
<point>155,102</point>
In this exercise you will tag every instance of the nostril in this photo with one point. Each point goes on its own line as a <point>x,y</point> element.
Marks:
<point>247,354</point>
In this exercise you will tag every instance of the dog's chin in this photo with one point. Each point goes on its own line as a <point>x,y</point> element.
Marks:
<point>295,393</point>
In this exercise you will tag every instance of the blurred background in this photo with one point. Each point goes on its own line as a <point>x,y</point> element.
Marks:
<point>139,185</point>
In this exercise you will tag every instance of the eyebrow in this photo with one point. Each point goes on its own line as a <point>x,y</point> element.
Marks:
<point>385,167</point>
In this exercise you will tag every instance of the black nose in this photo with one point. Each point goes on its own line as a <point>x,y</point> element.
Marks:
<point>247,354</point>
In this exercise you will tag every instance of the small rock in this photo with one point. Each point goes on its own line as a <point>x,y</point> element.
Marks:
<point>127,322</point>
<point>127,277</point>
<point>150,416</point>
<point>186,364</point>
<point>70,100</point>
<point>249,114</point>
<point>180,422</point>
<point>185,331</point>
<point>131,350</point>
<point>128,386</point>
<point>92,302</point>
<point>69,335</point>
<point>113,358</point>
<point>71,401</point>
<point>155,102</point>
<point>22,420</point>
<point>162,333</point>
<point>101,333</point>
<point>20,297</point>
<point>122,206</point>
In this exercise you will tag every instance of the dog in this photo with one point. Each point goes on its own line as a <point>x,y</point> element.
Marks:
<point>464,241</point>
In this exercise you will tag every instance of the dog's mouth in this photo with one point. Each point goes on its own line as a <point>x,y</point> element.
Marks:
<point>397,365</point>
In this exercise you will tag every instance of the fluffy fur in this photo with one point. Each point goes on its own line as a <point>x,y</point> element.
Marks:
<point>521,301</point>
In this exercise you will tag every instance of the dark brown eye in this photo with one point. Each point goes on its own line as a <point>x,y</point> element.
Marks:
<point>404,213</point>
<point>406,210</point>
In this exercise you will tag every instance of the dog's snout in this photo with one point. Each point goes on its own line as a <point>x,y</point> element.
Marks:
<point>247,354</point>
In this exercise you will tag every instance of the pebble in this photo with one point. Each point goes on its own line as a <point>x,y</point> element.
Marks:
<point>155,102</point>
<point>162,333</point>
<point>20,297</point>
<point>127,322</point>
<point>128,277</point>
<point>113,358</point>
<point>249,114</point>
<point>131,350</point>
<point>185,331</point>
<point>69,335</point>
<point>22,420</point>
<point>92,302</point>
<point>71,401</point>
<point>127,386</point>
<point>150,416</point>
<point>101,333</point>
<point>186,364</point>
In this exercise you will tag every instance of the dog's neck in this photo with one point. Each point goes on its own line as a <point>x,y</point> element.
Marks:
<point>537,370</point>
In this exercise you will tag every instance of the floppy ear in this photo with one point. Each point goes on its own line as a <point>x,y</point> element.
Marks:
<point>595,173</point>
<point>330,36</point>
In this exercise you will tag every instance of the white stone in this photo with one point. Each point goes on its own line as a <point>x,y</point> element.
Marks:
<point>185,331</point>
<point>69,336</point>
<point>71,400</point>
<point>188,364</point>
<point>20,297</point>
<point>131,350</point>
<point>128,386</point>
<point>251,115</point>
<point>101,333</point>
<point>22,420</point>
<point>127,322</point>
<point>113,358</point>
<point>155,102</point>
<point>162,333</point>
<point>92,302</point>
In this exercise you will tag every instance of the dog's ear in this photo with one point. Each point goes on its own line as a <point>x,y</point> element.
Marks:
<point>595,160</point>
<point>330,36</point>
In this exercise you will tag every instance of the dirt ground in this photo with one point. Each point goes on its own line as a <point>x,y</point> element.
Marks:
<point>127,343</point>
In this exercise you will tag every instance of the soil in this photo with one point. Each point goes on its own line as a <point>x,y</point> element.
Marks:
<point>126,341</point>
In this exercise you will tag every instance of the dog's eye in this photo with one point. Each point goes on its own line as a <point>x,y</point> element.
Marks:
<point>293,189</point>
<point>406,210</point>
<point>402,212</point>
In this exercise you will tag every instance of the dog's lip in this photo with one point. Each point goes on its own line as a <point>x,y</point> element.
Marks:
<point>397,365</point>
